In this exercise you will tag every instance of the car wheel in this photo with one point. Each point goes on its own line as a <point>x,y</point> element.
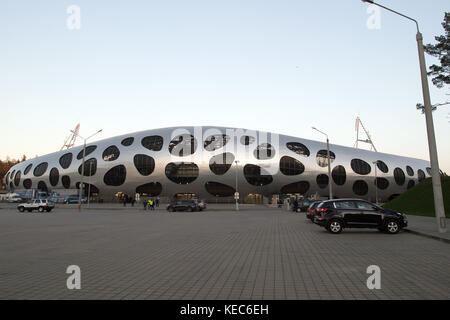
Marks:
<point>21,209</point>
<point>335,226</point>
<point>171,209</point>
<point>391,226</point>
<point>41,209</point>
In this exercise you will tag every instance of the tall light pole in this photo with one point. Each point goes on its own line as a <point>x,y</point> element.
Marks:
<point>236,194</point>
<point>82,163</point>
<point>376,182</point>
<point>435,176</point>
<point>330,188</point>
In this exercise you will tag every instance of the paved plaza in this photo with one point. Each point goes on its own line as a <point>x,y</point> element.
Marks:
<point>256,253</point>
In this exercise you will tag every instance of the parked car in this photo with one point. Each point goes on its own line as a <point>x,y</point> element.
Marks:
<point>201,204</point>
<point>311,211</point>
<point>74,199</point>
<point>40,205</point>
<point>184,205</point>
<point>336,215</point>
<point>15,199</point>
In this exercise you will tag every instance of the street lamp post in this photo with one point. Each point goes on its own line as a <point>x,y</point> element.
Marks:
<point>330,188</point>
<point>376,182</point>
<point>435,175</point>
<point>82,164</point>
<point>236,195</point>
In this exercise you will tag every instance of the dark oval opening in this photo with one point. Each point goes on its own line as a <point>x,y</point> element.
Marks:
<point>151,189</point>
<point>219,189</point>
<point>115,176</point>
<point>127,141</point>
<point>153,143</point>
<point>144,164</point>
<point>322,181</point>
<point>183,145</point>
<point>40,169</point>
<point>66,160</point>
<point>322,158</point>
<point>221,163</point>
<point>111,153</point>
<point>290,166</point>
<point>255,175</point>
<point>360,188</point>
<point>89,150</point>
<point>181,172</point>
<point>300,187</point>
<point>54,177</point>
<point>215,142</point>
<point>399,176</point>
<point>360,166</point>
<point>298,148</point>
<point>90,167</point>
<point>339,175</point>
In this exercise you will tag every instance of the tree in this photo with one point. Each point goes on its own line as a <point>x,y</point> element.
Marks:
<point>441,50</point>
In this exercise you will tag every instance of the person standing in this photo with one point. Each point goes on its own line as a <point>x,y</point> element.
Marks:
<point>157,202</point>
<point>145,204</point>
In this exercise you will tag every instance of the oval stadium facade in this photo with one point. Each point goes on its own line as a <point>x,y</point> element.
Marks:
<point>208,163</point>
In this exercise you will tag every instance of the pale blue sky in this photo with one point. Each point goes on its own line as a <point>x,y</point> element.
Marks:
<point>280,66</point>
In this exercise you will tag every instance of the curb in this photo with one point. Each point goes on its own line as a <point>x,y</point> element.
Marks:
<point>426,235</point>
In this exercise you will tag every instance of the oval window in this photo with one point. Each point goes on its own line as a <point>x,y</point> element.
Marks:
<point>88,151</point>
<point>322,158</point>
<point>219,189</point>
<point>182,172</point>
<point>339,175</point>
<point>65,160</point>
<point>90,167</point>
<point>360,166</point>
<point>183,145</point>
<point>298,148</point>
<point>221,163</point>
<point>40,169</point>
<point>290,166</point>
<point>151,189</point>
<point>54,177</point>
<point>153,143</point>
<point>256,176</point>
<point>399,176</point>
<point>322,181</point>
<point>115,176</point>
<point>111,153</point>
<point>360,188</point>
<point>300,187</point>
<point>27,169</point>
<point>215,142</point>
<point>144,164</point>
<point>264,151</point>
<point>127,141</point>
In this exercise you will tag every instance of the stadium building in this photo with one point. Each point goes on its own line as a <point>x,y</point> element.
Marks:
<point>209,162</point>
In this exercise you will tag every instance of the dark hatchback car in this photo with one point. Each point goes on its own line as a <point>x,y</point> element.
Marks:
<point>311,211</point>
<point>184,205</point>
<point>336,215</point>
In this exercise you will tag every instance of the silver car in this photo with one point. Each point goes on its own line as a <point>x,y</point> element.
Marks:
<point>40,205</point>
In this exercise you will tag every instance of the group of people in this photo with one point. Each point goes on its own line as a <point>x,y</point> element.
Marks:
<point>150,203</point>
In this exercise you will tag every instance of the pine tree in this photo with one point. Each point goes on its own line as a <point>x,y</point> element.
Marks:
<point>441,50</point>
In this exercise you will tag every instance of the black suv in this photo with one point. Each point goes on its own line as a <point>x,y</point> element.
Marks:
<point>184,205</point>
<point>311,211</point>
<point>336,215</point>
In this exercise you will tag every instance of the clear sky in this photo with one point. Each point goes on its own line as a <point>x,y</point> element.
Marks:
<point>280,66</point>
